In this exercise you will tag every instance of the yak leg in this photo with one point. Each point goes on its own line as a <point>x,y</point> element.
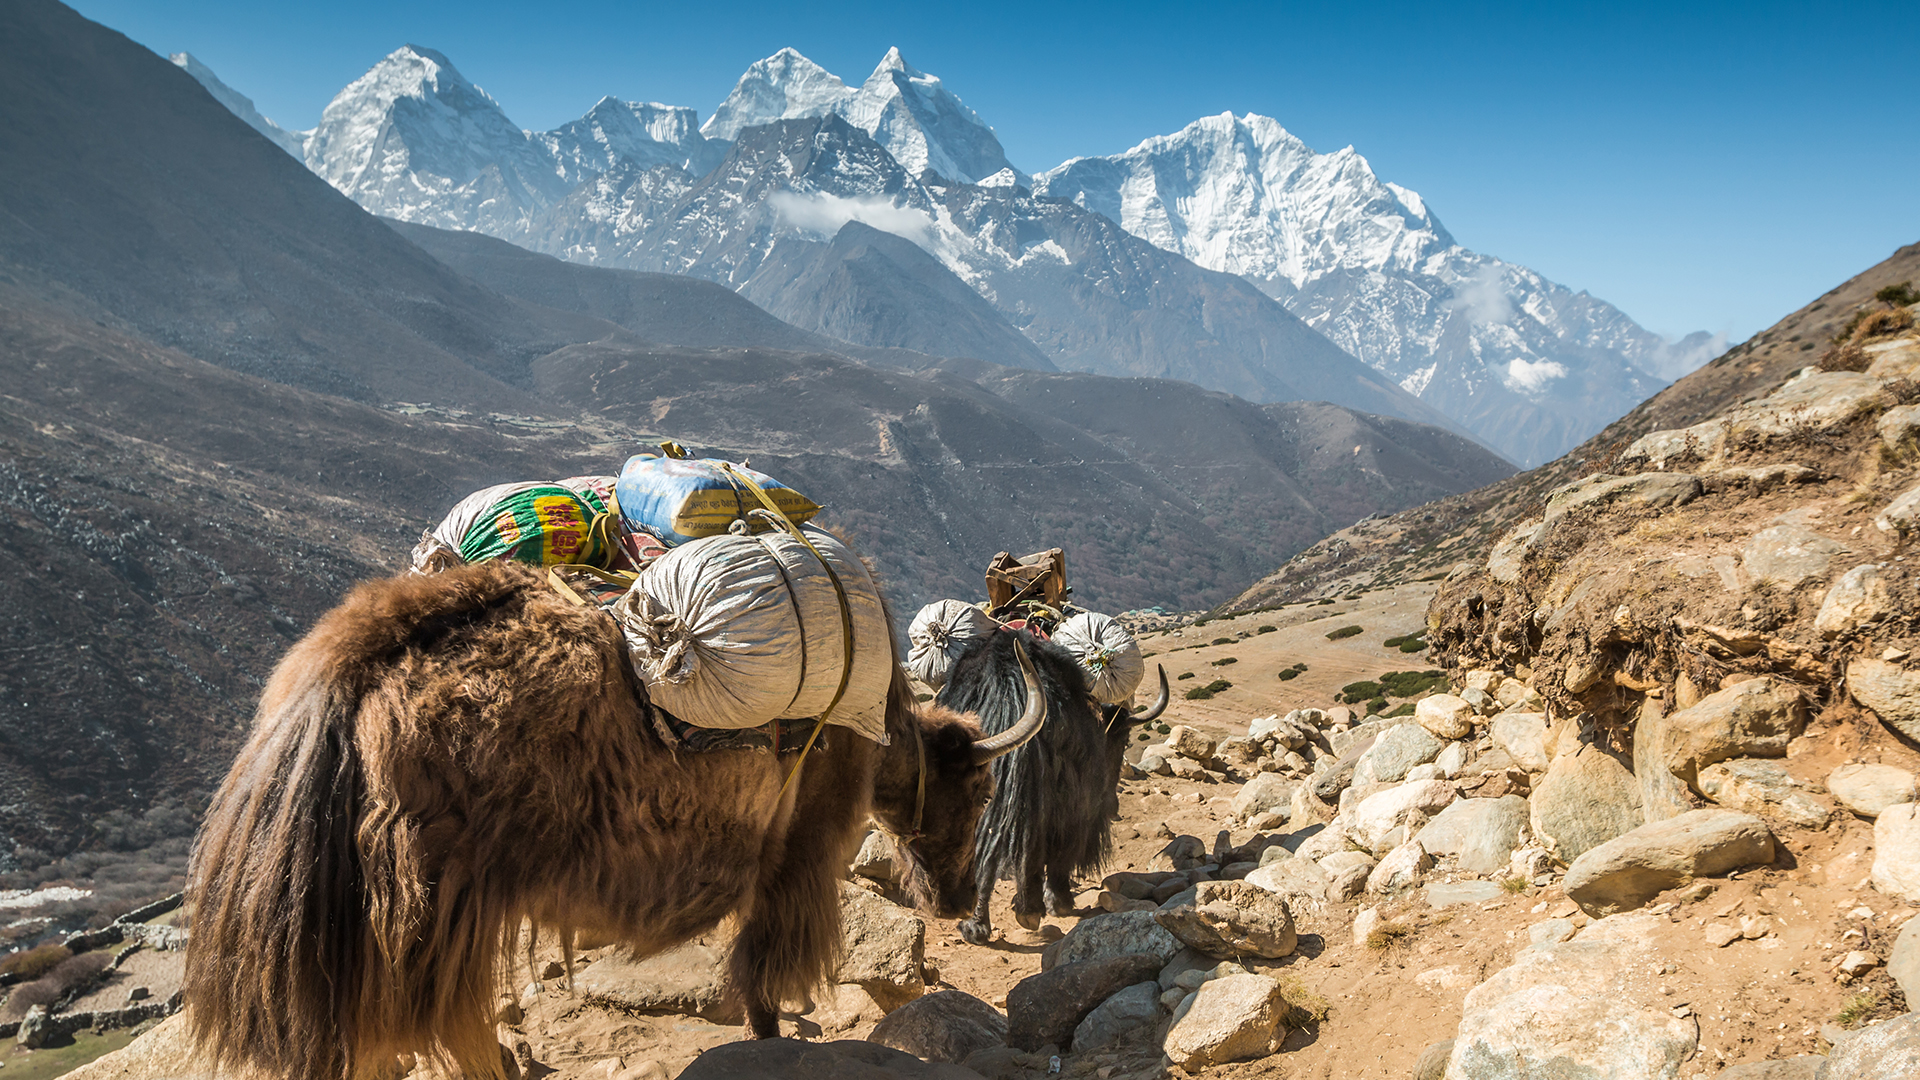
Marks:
<point>1060,890</point>
<point>791,932</point>
<point>979,929</point>
<point>1027,909</point>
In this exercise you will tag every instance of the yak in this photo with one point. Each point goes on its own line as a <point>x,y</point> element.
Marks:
<point>444,759</point>
<point>1054,799</point>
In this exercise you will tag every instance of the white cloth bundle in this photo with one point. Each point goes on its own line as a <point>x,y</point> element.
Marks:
<point>735,631</point>
<point>937,636</point>
<point>1108,652</point>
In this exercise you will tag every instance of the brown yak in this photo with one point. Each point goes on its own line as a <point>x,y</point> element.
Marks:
<point>444,758</point>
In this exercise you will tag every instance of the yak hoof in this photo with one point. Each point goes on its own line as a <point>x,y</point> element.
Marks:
<point>975,932</point>
<point>1029,920</point>
<point>1062,906</point>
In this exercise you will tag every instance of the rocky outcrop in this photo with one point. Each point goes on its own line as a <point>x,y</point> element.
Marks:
<point>1629,870</point>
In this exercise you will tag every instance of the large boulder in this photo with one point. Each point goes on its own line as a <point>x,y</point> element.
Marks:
<point>1445,716</point>
<point>885,947</point>
<point>1891,691</point>
<point>1868,790</point>
<point>1858,599</point>
<point>689,980</point>
<point>875,859</point>
<point>947,1026</point>
<point>1804,1067</point>
<point>1370,822</point>
<point>1574,1010</point>
<point>1136,1006</point>
<point>1398,750</point>
<point>1586,799</point>
<point>1652,490</point>
<point>1761,786</point>
<point>1267,791</point>
<point>1896,852</point>
<point>1902,515</point>
<point>1302,883</point>
<point>1755,718</point>
<point>1046,1008</point>
<point>1347,873</point>
<point>1886,1050</point>
<point>1120,933</point>
<point>1788,554</point>
<point>791,1059</point>
<point>1233,919</point>
<point>1903,962</point>
<point>1234,1018</point>
<point>1479,833</point>
<point>1629,870</point>
<point>1523,735</point>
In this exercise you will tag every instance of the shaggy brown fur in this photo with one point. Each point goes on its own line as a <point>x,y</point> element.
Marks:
<point>445,757</point>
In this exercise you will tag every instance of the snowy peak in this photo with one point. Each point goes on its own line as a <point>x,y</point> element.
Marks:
<point>784,86</point>
<point>415,139</point>
<point>644,134</point>
<point>240,105</point>
<point>906,110</point>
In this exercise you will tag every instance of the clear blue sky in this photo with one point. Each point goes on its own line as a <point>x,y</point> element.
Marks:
<point>1701,166</point>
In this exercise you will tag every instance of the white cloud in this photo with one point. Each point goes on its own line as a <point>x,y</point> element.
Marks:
<point>1483,296</point>
<point>1532,376</point>
<point>826,214</point>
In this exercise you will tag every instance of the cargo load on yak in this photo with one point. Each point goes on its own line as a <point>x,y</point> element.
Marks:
<point>571,521</point>
<point>939,634</point>
<point>679,498</point>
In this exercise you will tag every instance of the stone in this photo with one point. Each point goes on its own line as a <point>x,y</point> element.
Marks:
<point>1399,869</point>
<point>1586,799</point>
<point>1347,873</point>
<point>1186,768</point>
<point>1482,702</point>
<point>1899,425</point>
<point>1133,1007</point>
<point>1786,555</point>
<point>34,1031</point>
<point>1153,764</point>
<point>1859,598</point>
<point>946,1026</point>
<point>1509,553</point>
<point>1374,817</point>
<point>1629,870</point>
<point>1804,1067</point>
<point>1444,715</point>
<point>1885,1050</point>
<point>884,950</point>
<point>1046,1008</point>
<point>1452,761</point>
<point>1264,793</point>
<point>688,980</point>
<point>1523,735</point>
<point>1479,833</point>
<point>792,1059</point>
<point>1579,1010</point>
<point>1233,918</point>
<point>1398,750</point>
<point>1189,742</point>
<point>1652,490</point>
<point>1868,790</point>
<point>1185,896</point>
<point>875,859</point>
<point>1236,1018</point>
<point>1901,514</point>
<point>1896,852</point>
<point>1662,794</point>
<point>1432,1064</point>
<point>1891,691</point>
<point>1365,923</point>
<point>1482,679</point>
<point>1755,718</point>
<point>1701,441</point>
<point>1761,786</point>
<point>1449,893</point>
<point>1301,882</point>
<point>1184,961</point>
<point>1132,886</point>
<point>1511,692</point>
<point>1550,931</point>
<point>1903,961</point>
<point>1858,963</point>
<point>1721,935</point>
<point>1240,751</point>
<point>1103,936</point>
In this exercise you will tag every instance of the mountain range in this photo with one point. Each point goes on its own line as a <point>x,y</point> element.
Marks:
<point>1492,348</point>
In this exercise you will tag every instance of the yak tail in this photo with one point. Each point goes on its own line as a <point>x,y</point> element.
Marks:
<point>288,919</point>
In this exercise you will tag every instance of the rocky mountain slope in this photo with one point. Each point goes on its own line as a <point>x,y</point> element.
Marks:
<point>293,142</point>
<point>1528,365</point>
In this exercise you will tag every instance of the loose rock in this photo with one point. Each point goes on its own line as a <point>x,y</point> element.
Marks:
<point>1104,936</point>
<point>1629,870</point>
<point>1761,787</point>
<point>791,1059</point>
<point>1880,1052</point>
<point>1133,1007</point>
<point>1232,1019</point>
<point>1859,598</point>
<point>1891,691</point>
<point>1896,852</point>
<point>1586,799</point>
<point>1756,718</point>
<point>946,1026</point>
<point>1868,790</point>
<point>1445,715</point>
<point>1523,735</point>
<point>1046,1008</point>
<point>1347,873</point>
<point>1376,816</point>
<point>885,947</point>
<point>1264,793</point>
<point>1399,869</point>
<point>1399,749</point>
<point>1480,833</point>
<point>689,980</point>
<point>1233,918</point>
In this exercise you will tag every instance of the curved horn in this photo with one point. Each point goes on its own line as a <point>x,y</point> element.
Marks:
<point>1159,704</point>
<point>1026,727</point>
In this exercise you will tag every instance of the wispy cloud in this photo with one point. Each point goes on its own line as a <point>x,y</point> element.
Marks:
<point>1532,376</point>
<point>1483,296</point>
<point>826,214</point>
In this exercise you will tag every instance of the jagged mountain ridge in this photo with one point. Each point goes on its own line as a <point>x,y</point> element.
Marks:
<point>1527,364</point>
<point>293,142</point>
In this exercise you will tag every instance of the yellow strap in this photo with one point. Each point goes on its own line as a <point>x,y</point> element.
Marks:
<point>674,450</point>
<point>839,591</point>
<point>556,577</point>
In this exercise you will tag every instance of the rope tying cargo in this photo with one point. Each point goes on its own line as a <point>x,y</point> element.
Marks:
<point>658,639</point>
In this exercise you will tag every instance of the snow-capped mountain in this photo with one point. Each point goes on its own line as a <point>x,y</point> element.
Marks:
<point>415,140</point>
<point>1529,365</point>
<point>907,111</point>
<point>240,105</point>
<point>638,133</point>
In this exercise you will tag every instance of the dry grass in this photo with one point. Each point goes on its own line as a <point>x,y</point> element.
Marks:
<point>1386,934</point>
<point>1857,1008</point>
<point>1304,1007</point>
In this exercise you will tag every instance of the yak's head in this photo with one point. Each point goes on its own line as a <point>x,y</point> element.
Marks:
<point>934,783</point>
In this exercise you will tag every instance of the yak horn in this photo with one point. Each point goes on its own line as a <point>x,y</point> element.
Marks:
<point>1159,704</point>
<point>1026,727</point>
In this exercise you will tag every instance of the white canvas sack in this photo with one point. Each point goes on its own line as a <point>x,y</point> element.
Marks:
<point>939,634</point>
<point>1108,652</point>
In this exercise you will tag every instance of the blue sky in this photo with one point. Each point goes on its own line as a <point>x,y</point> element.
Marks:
<point>1706,166</point>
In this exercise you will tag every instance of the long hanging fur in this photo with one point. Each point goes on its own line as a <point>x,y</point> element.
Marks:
<point>1050,795</point>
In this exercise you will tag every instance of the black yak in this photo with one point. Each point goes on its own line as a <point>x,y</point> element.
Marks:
<point>446,758</point>
<point>1054,798</point>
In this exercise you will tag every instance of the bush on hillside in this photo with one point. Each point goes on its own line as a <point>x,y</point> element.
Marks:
<point>1898,295</point>
<point>1344,632</point>
<point>1202,693</point>
<point>1290,673</point>
<point>33,963</point>
<point>1266,630</point>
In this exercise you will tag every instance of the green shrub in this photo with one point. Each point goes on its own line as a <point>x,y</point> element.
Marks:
<point>1413,646</point>
<point>1377,706</point>
<point>1344,632</point>
<point>1327,600</point>
<point>1144,736</point>
<point>1185,675</point>
<point>1405,708</point>
<point>1266,630</point>
<point>1225,660</point>
<point>1202,693</point>
<point>1359,691</point>
<point>1405,684</point>
<point>1163,728</point>
<point>1221,641</point>
<point>1898,295</point>
<point>1290,673</point>
<point>34,963</point>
